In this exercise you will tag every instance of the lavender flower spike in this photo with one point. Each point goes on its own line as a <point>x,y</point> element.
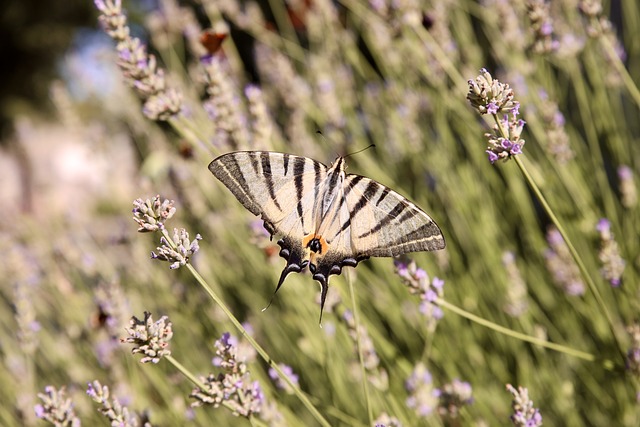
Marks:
<point>56,408</point>
<point>151,214</point>
<point>609,255</point>
<point>138,67</point>
<point>150,338</point>
<point>231,388</point>
<point>524,414</point>
<point>183,252</point>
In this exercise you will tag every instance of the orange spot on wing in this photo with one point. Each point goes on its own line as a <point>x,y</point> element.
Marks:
<point>324,246</point>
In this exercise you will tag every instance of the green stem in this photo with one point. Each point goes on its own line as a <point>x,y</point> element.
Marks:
<point>187,373</point>
<point>620,68</point>
<point>574,253</point>
<point>608,364</point>
<point>365,381</point>
<point>265,356</point>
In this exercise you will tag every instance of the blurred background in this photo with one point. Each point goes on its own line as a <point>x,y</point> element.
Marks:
<point>77,146</point>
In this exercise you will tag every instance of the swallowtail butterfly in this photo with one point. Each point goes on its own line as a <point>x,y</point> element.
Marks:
<point>328,219</point>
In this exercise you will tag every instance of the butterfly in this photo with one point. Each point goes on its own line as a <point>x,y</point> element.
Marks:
<point>328,219</point>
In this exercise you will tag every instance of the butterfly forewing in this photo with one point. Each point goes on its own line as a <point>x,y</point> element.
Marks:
<point>328,219</point>
<point>275,186</point>
<point>384,223</point>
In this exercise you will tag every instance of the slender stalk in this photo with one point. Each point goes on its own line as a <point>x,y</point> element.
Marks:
<point>261,351</point>
<point>574,253</point>
<point>608,364</point>
<point>365,381</point>
<point>265,356</point>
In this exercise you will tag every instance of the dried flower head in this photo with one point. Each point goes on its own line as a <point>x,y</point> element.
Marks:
<point>113,410</point>
<point>150,338</point>
<point>609,255</point>
<point>231,388</point>
<point>151,214</point>
<point>179,251</point>
<point>452,397</point>
<point>56,408</point>
<point>524,414</point>
<point>489,96</point>
<point>138,67</point>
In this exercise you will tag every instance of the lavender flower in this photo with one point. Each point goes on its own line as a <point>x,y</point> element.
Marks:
<point>56,408</point>
<point>150,338</point>
<point>423,398</point>
<point>557,140</point>
<point>542,26</point>
<point>385,420</point>
<point>599,27</point>
<point>516,304</point>
<point>139,68</point>
<point>111,314</point>
<point>262,125</point>
<point>151,214</point>
<point>376,374</point>
<point>633,354</point>
<point>113,410</point>
<point>224,106</point>
<point>232,387</point>
<point>419,284</point>
<point>489,96</point>
<point>505,141</point>
<point>279,382</point>
<point>111,306</point>
<point>452,397</point>
<point>609,254</point>
<point>560,263</point>
<point>524,414</point>
<point>183,251</point>
<point>25,316</point>
<point>627,187</point>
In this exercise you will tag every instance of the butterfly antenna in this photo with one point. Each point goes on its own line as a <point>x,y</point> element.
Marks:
<point>361,150</point>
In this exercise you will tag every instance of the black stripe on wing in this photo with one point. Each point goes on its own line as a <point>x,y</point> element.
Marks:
<point>397,210</point>
<point>265,160</point>
<point>298,171</point>
<point>227,169</point>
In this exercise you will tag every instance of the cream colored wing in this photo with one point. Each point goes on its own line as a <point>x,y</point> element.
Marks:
<point>279,187</point>
<point>381,222</point>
